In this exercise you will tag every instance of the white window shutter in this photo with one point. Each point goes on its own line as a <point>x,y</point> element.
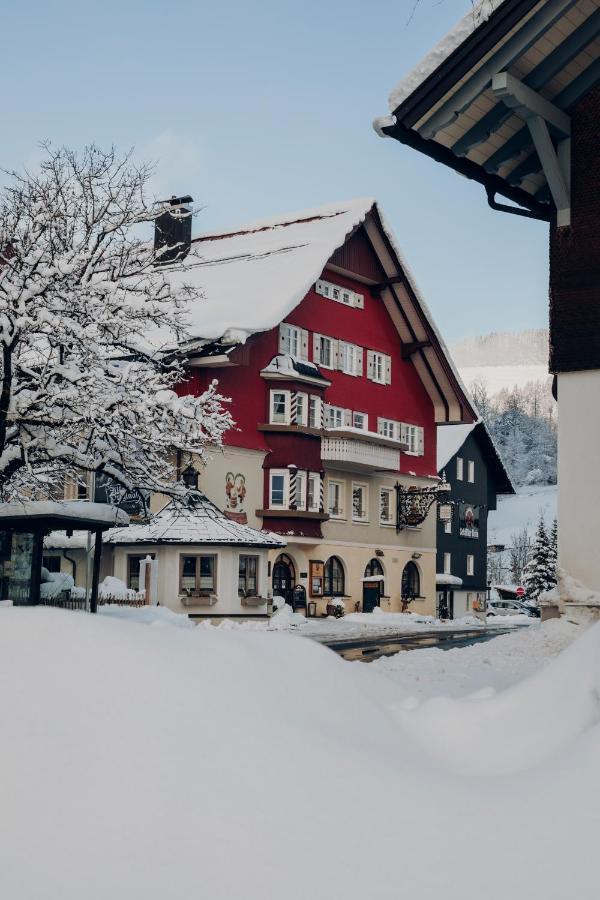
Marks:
<point>370,364</point>
<point>303,344</point>
<point>348,417</point>
<point>420,441</point>
<point>284,339</point>
<point>404,433</point>
<point>379,425</point>
<point>388,370</point>
<point>359,301</point>
<point>359,362</point>
<point>316,348</point>
<point>340,355</point>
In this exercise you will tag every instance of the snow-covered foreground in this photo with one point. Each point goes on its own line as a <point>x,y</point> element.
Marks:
<point>490,666</point>
<point>162,761</point>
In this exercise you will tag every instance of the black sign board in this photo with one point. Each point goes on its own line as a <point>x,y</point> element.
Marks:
<point>107,490</point>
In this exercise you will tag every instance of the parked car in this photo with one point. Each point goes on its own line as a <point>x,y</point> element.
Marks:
<point>511,608</point>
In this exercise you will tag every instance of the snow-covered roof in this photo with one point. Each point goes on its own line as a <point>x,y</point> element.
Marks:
<point>60,540</point>
<point>254,275</point>
<point>450,439</point>
<point>77,513</point>
<point>472,19</point>
<point>443,578</point>
<point>200,522</point>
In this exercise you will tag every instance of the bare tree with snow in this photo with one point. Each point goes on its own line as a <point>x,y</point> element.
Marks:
<point>85,319</point>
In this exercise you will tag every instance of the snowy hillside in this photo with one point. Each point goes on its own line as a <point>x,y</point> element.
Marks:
<point>521,510</point>
<point>507,377</point>
<point>501,348</point>
<point>239,765</point>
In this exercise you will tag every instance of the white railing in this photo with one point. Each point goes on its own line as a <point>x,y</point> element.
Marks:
<point>365,454</point>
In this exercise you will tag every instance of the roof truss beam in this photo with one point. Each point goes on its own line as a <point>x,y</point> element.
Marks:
<point>538,114</point>
<point>518,44</point>
<point>537,78</point>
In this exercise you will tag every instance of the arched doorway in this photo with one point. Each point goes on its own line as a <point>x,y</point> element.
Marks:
<point>334,582</point>
<point>411,584</point>
<point>284,577</point>
<point>372,585</point>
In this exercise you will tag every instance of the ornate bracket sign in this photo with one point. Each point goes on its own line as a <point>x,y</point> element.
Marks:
<point>414,503</point>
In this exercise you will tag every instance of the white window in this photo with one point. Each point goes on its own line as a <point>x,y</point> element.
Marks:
<point>359,502</point>
<point>471,471</point>
<point>314,412</point>
<point>388,428</point>
<point>314,492</point>
<point>280,408</point>
<point>360,420</point>
<point>300,490</point>
<point>447,563</point>
<point>379,367</point>
<point>335,417</point>
<point>279,488</point>
<point>412,435</point>
<point>386,506</point>
<point>350,359</point>
<point>325,351</point>
<point>470,564</point>
<point>335,499</point>
<point>459,468</point>
<point>293,341</point>
<point>340,294</point>
<point>301,417</point>
<point>448,526</point>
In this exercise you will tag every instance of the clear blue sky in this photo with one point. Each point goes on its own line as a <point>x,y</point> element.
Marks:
<point>266,107</point>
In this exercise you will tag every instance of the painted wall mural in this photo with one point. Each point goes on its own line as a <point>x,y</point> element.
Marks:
<point>235,492</point>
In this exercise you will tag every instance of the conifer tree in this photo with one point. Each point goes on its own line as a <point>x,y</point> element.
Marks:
<point>540,571</point>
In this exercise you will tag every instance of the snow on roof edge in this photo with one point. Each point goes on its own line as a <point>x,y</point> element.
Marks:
<point>438,54</point>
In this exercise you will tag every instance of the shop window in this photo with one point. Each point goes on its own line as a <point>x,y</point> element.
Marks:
<point>334,581</point>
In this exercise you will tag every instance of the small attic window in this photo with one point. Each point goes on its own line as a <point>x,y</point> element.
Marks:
<point>340,294</point>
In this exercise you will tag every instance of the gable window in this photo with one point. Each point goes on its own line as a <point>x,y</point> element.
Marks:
<point>280,408</point>
<point>388,428</point>
<point>459,468</point>
<point>379,367</point>
<point>197,575</point>
<point>335,499</point>
<point>301,416</point>
<point>470,564</point>
<point>300,490</point>
<point>359,502</point>
<point>447,563</point>
<point>293,341</point>
<point>278,488</point>
<point>314,492</point>
<point>360,420</point>
<point>340,294</point>
<point>248,576</point>
<point>314,412</point>
<point>386,506</point>
<point>350,359</point>
<point>333,580</point>
<point>471,471</point>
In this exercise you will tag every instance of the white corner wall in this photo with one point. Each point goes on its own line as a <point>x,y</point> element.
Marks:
<point>579,476</point>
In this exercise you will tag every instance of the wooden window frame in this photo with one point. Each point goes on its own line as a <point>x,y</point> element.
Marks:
<point>364,487</point>
<point>249,556</point>
<point>341,514</point>
<point>384,489</point>
<point>198,591</point>
<point>286,488</point>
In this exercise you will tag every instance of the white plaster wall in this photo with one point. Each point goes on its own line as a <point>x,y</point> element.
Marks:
<point>168,556</point>
<point>579,476</point>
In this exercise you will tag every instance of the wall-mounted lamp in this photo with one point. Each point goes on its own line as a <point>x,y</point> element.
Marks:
<point>379,553</point>
<point>417,555</point>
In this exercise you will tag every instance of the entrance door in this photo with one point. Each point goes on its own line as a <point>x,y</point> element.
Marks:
<point>371,595</point>
<point>283,577</point>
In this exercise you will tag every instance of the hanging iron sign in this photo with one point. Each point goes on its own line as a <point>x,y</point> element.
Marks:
<point>413,503</point>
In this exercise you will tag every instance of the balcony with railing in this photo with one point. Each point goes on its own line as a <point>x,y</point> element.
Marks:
<point>360,451</point>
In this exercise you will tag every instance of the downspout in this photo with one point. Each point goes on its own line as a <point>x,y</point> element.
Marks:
<point>73,566</point>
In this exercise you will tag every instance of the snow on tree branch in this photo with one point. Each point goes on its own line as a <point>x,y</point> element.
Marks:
<point>85,317</point>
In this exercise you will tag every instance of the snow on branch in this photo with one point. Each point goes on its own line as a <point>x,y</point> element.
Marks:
<point>84,317</point>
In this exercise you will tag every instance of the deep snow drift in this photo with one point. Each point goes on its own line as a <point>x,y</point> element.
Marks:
<point>159,762</point>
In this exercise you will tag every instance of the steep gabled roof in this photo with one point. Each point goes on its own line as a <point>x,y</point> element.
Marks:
<point>200,522</point>
<point>253,276</point>
<point>468,103</point>
<point>450,438</point>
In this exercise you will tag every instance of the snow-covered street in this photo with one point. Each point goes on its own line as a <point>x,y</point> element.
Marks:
<point>170,751</point>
